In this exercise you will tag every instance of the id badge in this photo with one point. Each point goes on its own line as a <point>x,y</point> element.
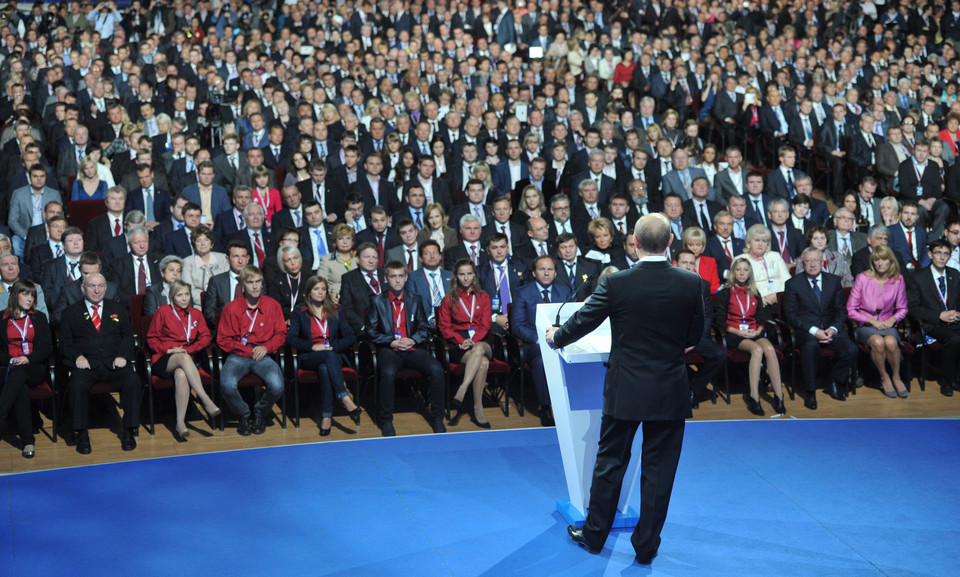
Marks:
<point>203,219</point>
<point>244,339</point>
<point>326,343</point>
<point>744,327</point>
<point>397,336</point>
<point>771,285</point>
<point>495,303</point>
<point>26,347</point>
<point>471,331</point>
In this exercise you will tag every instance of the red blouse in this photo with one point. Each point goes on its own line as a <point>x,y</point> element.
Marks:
<point>742,308</point>
<point>15,337</point>
<point>167,331</point>
<point>449,323</point>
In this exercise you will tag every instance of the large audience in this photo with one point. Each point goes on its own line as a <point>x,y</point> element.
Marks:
<point>265,178</point>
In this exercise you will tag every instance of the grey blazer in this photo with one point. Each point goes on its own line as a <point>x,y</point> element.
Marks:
<point>21,208</point>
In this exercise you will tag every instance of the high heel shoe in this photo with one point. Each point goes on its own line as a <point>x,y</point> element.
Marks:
<point>325,432</point>
<point>182,434</point>
<point>456,403</point>
<point>903,394</point>
<point>482,424</point>
<point>778,406</point>
<point>355,415</point>
<point>753,405</point>
<point>28,451</point>
<point>214,413</point>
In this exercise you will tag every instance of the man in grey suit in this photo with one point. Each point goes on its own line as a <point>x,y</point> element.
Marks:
<point>680,179</point>
<point>223,287</point>
<point>844,239</point>
<point>68,161</point>
<point>230,164</point>
<point>430,281</point>
<point>26,206</point>
<point>646,384</point>
<point>733,179</point>
<point>407,251</point>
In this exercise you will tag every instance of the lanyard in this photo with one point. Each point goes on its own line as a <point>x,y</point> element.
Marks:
<point>743,311</point>
<point>766,271</point>
<point>918,173</point>
<point>293,292</point>
<point>499,277</point>
<point>189,326</point>
<point>23,331</point>
<point>398,314</point>
<point>264,201</point>
<point>473,304</point>
<point>253,320</point>
<point>346,263</point>
<point>322,327</point>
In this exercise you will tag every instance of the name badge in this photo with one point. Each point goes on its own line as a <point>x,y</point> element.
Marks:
<point>203,219</point>
<point>744,327</point>
<point>471,331</point>
<point>397,336</point>
<point>495,303</point>
<point>771,285</point>
<point>244,339</point>
<point>26,347</point>
<point>326,343</point>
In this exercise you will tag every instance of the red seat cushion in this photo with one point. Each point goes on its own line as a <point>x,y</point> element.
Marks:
<point>310,377</point>
<point>166,383</point>
<point>41,391</point>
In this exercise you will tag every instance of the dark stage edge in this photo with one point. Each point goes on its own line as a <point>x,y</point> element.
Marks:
<point>770,498</point>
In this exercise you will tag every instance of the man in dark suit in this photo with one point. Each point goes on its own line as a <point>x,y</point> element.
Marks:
<point>254,235</point>
<point>594,172</point>
<point>225,286</point>
<point>360,285</point>
<point>319,188</point>
<point>473,204</point>
<point>96,340</point>
<point>430,281</point>
<point>178,241</point>
<point>726,107</point>
<point>908,239</point>
<point>757,202</point>
<point>135,272</point>
<point>469,245</point>
<point>574,272</point>
<point>502,222</point>
<point>381,236</point>
<point>291,215</point>
<point>785,240</point>
<point>708,348</point>
<point>501,278</point>
<point>523,325</point>
<point>373,188</point>
<point>401,342</point>
<point>833,144</point>
<point>920,181</point>
<point>698,209</point>
<point>72,291</point>
<point>819,211</point>
<point>647,383</point>
<point>230,164</point>
<point>436,189</point>
<point>65,268</point>
<point>813,307</point>
<point>106,226</point>
<point>722,246</point>
<point>878,235</point>
<point>230,221</point>
<point>933,294</point>
<point>863,147</point>
<point>44,243</point>
<point>782,182</point>
<point>153,202</point>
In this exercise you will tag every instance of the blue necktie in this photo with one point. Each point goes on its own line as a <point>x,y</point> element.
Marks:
<point>816,289</point>
<point>942,281</point>
<point>321,246</point>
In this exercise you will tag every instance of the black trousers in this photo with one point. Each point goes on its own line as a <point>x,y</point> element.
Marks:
<point>714,356</point>
<point>538,374</point>
<point>662,441</point>
<point>949,338</point>
<point>842,347</point>
<point>420,360</point>
<point>123,380</point>
<point>15,395</point>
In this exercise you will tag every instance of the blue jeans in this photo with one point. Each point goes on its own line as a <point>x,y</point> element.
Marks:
<point>237,367</point>
<point>329,373</point>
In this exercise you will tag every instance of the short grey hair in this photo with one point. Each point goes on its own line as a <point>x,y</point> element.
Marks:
<point>878,229</point>
<point>170,259</point>
<point>468,218</point>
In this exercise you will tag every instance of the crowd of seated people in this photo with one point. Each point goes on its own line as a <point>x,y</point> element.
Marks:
<point>305,171</point>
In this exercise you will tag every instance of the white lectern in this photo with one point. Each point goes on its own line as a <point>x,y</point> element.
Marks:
<point>575,377</point>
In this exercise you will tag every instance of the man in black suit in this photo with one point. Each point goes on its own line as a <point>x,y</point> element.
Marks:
<point>698,209</point>
<point>538,178</point>
<point>921,181</point>
<point>727,106</point>
<point>757,202</point>
<point>469,245</point>
<point>502,222</point>
<point>559,221</point>
<point>933,294</point>
<point>373,188</point>
<point>319,188</point>
<point>96,340</point>
<point>230,164</point>
<point>359,286</point>
<point>107,225</point>
<point>575,271</point>
<point>60,270</point>
<point>588,207</point>
<point>47,243</point>
<point>379,234</point>
<point>782,183</point>
<point>863,147</point>
<point>400,342</point>
<point>813,307</point>
<point>474,204</point>
<point>607,185</point>
<point>708,348</point>
<point>226,286</point>
<point>229,221</point>
<point>785,240</point>
<point>501,278</point>
<point>254,235</point>
<point>153,202</point>
<point>136,271</point>
<point>647,383</point>
<point>878,235</point>
<point>832,143</point>
<point>435,188</point>
<point>291,215</point>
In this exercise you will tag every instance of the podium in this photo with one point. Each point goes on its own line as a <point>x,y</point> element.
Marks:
<point>575,376</point>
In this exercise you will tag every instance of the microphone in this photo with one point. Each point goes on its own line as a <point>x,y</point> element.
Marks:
<point>574,295</point>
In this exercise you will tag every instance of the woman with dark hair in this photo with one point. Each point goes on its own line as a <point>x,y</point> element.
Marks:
<point>176,333</point>
<point>268,198</point>
<point>320,334</point>
<point>297,169</point>
<point>463,319</point>
<point>25,346</point>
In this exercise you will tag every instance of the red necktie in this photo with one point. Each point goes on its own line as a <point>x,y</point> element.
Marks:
<point>238,292</point>
<point>96,317</point>
<point>141,278</point>
<point>783,247</point>
<point>913,252</point>
<point>380,250</point>
<point>374,283</point>
<point>116,227</point>
<point>258,247</point>
<point>409,259</point>
<point>726,249</point>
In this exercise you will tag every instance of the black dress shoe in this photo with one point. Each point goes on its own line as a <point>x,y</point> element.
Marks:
<point>355,415</point>
<point>834,391</point>
<point>258,426</point>
<point>325,432</point>
<point>955,385</point>
<point>546,416</point>
<point>387,430</point>
<point>483,425</point>
<point>946,389</point>
<point>127,441</point>
<point>694,403</point>
<point>754,406</point>
<point>438,426</point>
<point>576,533</point>
<point>811,401</point>
<point>778,406</point>
<point>646,559</point>
<point>29,450</point>
<point>243,427</point>
<point>83,442</point>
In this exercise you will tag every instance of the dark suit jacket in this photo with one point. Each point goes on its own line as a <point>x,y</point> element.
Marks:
<point>523,310</point>
<point>70,294</point>
<point>269,249</point>
<point>332,197</point>
<point>517,273</point>
<point>278,288</point>
<point>418,283</point>
<point>391,239</point>
<point>751,213</point>
<point>647,376</point>
<point>777,184</point>
<point>898,242</point>
<point>224,225</point>
<point>829,140</point>
<point>55,276</point>
<point>161,202</point>
<point>714,249</point>
<point>79,337</point>
<point>300,334</point>
<point>389,199</point>
<point>454,253</point>
<point>124,275</point>
<point>800,307</point>
<point>923,296</point>
<point>356,296</point>
<point>861,261</point>
<point>379,327</point>
<point>860,153</point>
<point>585,275</point>
<point>518,234</point>
<point>99,231</point>
<point>608,187</point>
<point>178,243</point>
<point>690,211</point>
<point>929,185</point>
<point>217,296</point>
<point>795,241</point>
<point>441,193</point>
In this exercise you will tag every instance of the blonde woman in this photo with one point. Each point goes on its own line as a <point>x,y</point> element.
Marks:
<point>769,271</point>
<point>436,228</point>
<point>333,266</point>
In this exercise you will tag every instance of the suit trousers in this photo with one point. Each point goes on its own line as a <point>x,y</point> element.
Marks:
<point>842,347</point>
<point>534,358</point>
<point>123,380</point>
<point>662,442</point>
<point>237,367</point>
<point>714,356</point>
<point>935,219</point>
<point>949,338</point>
<point>15,395</point>
<point>420,360</point>
<point>329,373</point>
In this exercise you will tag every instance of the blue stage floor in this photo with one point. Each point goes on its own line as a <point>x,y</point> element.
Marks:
<point>770,498</point>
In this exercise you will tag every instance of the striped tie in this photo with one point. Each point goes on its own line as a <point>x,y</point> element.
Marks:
<point>96,317</point>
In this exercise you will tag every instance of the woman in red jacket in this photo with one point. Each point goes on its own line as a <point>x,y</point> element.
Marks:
<point>176,333</point>
<point>463,319</point>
